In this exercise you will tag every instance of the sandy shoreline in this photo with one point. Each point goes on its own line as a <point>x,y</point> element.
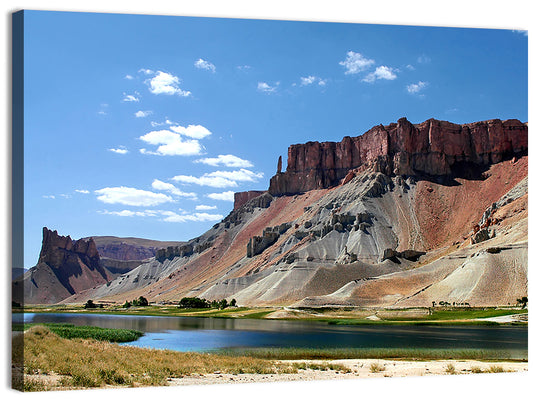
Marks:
<point>360,368</point>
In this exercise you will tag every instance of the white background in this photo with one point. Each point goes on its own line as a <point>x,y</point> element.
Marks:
<point>510,14</point>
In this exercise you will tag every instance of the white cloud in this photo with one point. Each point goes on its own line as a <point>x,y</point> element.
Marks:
<point>415,88</point>
<point>166,83</point>
<point>381,72</point>
<point>355,63</point>
<point>309,80</point>
<point>143,114</point>
<point>305,81</point>
<point>128,77</point>
<point>244,67</point>
<point>121,150</point>
<point>410,67</point>
<point>195,217</point>
<point>131,196</point>
<point>194,131</point>
<point>225,196</point>
<point>205,207</point>
<point>210,181</point>
<point>170,143</point>
<point>128,213</point>
<point>220,179</point>
<point>226,160</point>
<point>130,98</point>
<point>146,71</point>
<point>82,191</point>
<point>203,64</point>
<point>67,196</point>
<point>49,196</point>
<point>266,88</point>
<point>162,186</point>
<point>236,175</point>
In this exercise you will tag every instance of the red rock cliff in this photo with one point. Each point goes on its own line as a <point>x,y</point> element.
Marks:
<point>430,148</point>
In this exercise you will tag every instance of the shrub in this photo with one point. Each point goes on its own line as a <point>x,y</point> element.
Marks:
<point>450,369</point>
<point>193,302</point>
<point>376,368</point>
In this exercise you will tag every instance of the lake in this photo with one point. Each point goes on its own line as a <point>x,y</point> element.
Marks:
<point>208,334</point>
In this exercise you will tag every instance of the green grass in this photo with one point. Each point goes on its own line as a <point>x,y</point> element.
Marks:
<point>367,353</point>
<point>70,331</point>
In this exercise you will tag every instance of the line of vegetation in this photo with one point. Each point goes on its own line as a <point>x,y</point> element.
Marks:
<point>86,363</point>
<point>369,353</point>
<point>70,331</point>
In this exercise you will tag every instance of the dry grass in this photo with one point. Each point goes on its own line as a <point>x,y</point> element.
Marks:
<point>87,363</point>
<point>376,368</point>
<point>450,369</point>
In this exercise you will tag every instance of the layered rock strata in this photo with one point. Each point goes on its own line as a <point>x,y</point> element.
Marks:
<point>433,147</point>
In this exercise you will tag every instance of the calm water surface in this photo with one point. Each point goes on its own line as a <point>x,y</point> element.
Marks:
<point>206,334</point>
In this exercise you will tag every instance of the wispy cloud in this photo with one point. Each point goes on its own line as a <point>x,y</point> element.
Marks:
<point>82,191</point>
<point>166,216</point>
<point>120,150</point>
<point>166,83</point>
<point>205,207</point>
<point>49,196</point>
<point>130,98</point>
<point>128,77</point>
<point>423,59</point>
<point>237,175</point>
<point>220,178</point>
<point>172,189</point>
<point>381,72</point>
<point>309,80</point>
<point>170,143</point>
<point>356,63</point>
<point>226,160</point>
<point>191,217</point>
<point>131,196</point>
<point>416,88</point>
<point>225,196</point>
<point>210,181</point>
<point>143,114</point>
<point>266,88</point>
<point>203,64</point>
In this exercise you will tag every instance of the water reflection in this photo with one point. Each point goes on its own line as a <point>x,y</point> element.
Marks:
<point>201,334</point>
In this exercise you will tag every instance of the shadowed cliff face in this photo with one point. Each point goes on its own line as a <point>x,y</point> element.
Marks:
<point>68,259</point>
<point>431,148</point>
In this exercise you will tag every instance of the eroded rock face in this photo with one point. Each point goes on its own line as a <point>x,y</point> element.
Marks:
<point>243,197</point>
<point>432,148</point>
<point>56,250</point>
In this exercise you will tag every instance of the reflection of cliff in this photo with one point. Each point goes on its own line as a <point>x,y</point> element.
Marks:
<point>433,148</point>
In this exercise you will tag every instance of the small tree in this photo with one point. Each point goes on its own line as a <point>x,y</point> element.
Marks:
<point>233,302</point>
<point>522,301</point>
<point>223,304</point>
<point>89,305</point>
<point>127,304</point>
<point>143,301</point>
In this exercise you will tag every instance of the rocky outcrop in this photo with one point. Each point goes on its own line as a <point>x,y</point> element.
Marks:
<point>408,254</point>
<point>433,147</point>
<point>242,198</point>
<point>60,251</point>
<point>258,244</point>
<point>65,267</point>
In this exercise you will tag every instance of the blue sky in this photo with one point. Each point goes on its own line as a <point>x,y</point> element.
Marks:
<point>144,126</point>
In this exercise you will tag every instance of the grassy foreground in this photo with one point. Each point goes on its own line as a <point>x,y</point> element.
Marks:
<point>89,363</point>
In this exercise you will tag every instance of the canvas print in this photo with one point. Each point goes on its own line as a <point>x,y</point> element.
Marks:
<point>215,200</point>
